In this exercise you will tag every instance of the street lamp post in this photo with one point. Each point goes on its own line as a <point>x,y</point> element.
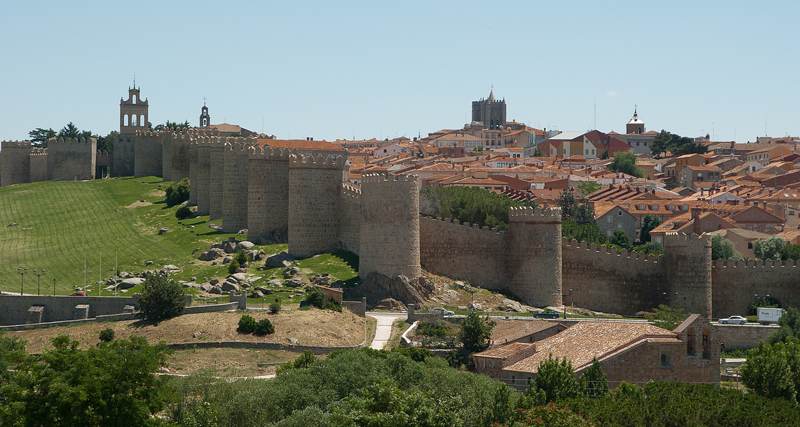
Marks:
<point>22,272</point>
<point>38,280</point>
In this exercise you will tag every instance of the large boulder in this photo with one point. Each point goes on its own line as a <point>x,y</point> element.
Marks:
<point>244,246</point>
<point>230,246</point>
<point>238,277</point>
<point>256,255</point>
<point>211,254</point>
<point>230,286</point>
<point>377,287</point>
<point>291,272</point>
<point>282,259</point>
<point>129,283</point>
<point>169,268</point>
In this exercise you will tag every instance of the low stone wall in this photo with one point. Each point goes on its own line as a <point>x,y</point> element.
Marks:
<point>211,308</point>
<point>14,308</point>
<point>357,307</point>
<point>45,325</point>
<point>737,337</point>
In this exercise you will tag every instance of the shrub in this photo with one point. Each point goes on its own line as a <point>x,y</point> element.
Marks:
<point>332,305</point>
<point>233,267</point>
<point>177,193</point>
<point>264,327</point>
<point>161,297</point>
<point>557,379</point>
<point>183,212</point>
<point>247,324</point>
<point>275,306</point>
<point>431,329</point>
<point>241,257</point>
<point>303,361</point>
<point>107,335</point>
<point>315,297</point>
<point>475,332</point>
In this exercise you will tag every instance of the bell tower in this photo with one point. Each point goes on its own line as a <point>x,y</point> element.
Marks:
<point>133,112</point>
<point>635,125</point>
<point>205,119</point>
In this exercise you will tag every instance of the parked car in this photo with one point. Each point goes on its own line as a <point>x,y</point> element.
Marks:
<point>734,320</point>
<point>78,294</point>
<point>547,314</point>
<point>440,311</point>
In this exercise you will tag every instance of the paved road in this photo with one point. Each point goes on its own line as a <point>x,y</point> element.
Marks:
<point>384,329</point>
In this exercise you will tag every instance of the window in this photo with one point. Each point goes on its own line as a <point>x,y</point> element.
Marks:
<point>750,245</point>
<point>609,233</point>
<point>619,226</point>
<point>484,364</point>
<point>666,360</point>
<point>619,212</point>
<point>609,219</point>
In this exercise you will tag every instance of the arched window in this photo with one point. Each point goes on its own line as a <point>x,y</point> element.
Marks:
<point>133,120</point>
<point>125,120</point>
<point>142,122</point>
<point>134,98</point>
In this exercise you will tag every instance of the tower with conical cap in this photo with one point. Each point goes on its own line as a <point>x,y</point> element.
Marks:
<point>490,112</point>
<point>635,125</point>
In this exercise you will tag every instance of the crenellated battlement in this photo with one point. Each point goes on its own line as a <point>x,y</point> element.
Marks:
<point>379,178</point>
<point>316,161</point>
<point>55,142</point>
<point>463,225</point>
<point>38,152</point>
<point>237,148</point>
<point>268,153</point>
<point>350,191</point>
<point>148,133</point>
<point>675,239</point>
<point>15,144</point>
<point>613,251</point>
<point>537,214</point>
<point>753,263</point>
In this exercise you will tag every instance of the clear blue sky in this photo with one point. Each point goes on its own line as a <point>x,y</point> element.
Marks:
<point>335,69</point>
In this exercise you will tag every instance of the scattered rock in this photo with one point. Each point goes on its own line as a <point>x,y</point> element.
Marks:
<point>244,246</point>
<point>148,263</point>
<point>124,275</point>
<point>230,247</point>
<point>390,304</point>
<point>256,255</point>
<point>290,272</point>
<point>131,282</point>
<point>194,251</point>
<point>282,259</point>
<point>213,281</point>
<point>211,254</point>
<point>256,294</point>
<point>193,279</point>
<point>229,286</point>
<point>459,284</point>
<point>241,270</point>
<point>293,340</point>
<point>196,335</point>
<point>13,224</point>
<point>477,307</point>
<point>216,290</point>
<point>218,245</point>
<point>264,290</point>
<point>294,283</point>
<point>275,283</point>
<point>322,280</point>
<point>163,231</point>
<point>511,305</point>
<point>169,268</point>
<point>243,231</point>
<point>238,277</point>
<point>227,259</point>
<point>206,287</point>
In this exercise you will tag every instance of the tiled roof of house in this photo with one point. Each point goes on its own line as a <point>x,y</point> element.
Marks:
<point>510,330</point>
<point>503,351</point>
<point>301,144</point>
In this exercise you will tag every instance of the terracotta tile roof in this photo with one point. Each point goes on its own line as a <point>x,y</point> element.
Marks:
<point>301,144</point>
<point>587,340</point>
<point>503,351</point>
<point>510,330</point>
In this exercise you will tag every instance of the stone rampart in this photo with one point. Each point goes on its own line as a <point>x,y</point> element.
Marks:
<point>124,155</point>
<point>736,284</point>
<point>314,186</point>
<point>688,272</point>
<point>389,243</point>
<point>534,255</point>
<point>14,308</point>
<point>104,164</point>
<point>350,218</point>
<point>463,252</point>
<point>179,148</point>
<point>15,163</point>
<point>71,159</point>
<point>216,167</point>
<point>608,280</point>
<point>739,337</point>
<point>268,195</point>
<point>167,140</point>
<point>193,170</point>
<point>235,184</point>
<point>38,161</point>
<point>203,175</point>
<point>148,148</point>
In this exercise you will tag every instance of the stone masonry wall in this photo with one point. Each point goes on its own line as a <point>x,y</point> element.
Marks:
<point>463,252</point>
<point>70,159</point>
<point>202,178</point>
<point>608,280</point>
<point>38,161</point>
<point>689,272</point>
<point>104,163</point>
<point>350,219</point>
<point>124,155</point>
<point>193,170</point>
<point>390,226</point>
<point>235,184</point>
<point>148,150</point>
<point>736,284</point>
<point>14,308</point>
<point>15,163</point>
<point>215,178</point>
<point>268,195</point>
<point>314,186</point>
<point>180,156</point>
<point>534,255</point>
<point>167,139</point>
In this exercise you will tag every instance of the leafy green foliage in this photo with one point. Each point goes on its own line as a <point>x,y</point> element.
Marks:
<point>161,298</point>
<point>183,212</point>
<point>177,193</point>
<point>649,222</point>
<point>625,162</point>
<point>589,233</point>
<point>538,153</point>
<point>471,204</point>
<point>550,416</point>
<point>435,329</point>
<point>233,267</point>
<point>241,257</point>
<point>722,248</point>
<point>790,252</point>
<point>788,327</point>
<point>586,188</point>
<point>581,211</point>
<point>667,317</point>
<point>39,136</point>
<point>620,239</point>
<point>556,378</point>
<point>675,144</point>
<point>107,335</point>
<point>765,301</point>
<point>264,327</point>
<point>275,306</point>
<point>303,361</point>
<point>475,332</point>
<point>773,370</point>
<point>650,248</point>
<point>767,249</point>
<point>170,125</point>
<point>247,324</point>
<point>315,297</point>
<point>595,380</point>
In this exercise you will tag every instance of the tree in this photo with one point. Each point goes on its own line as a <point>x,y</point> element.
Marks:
<point>234,267</point>
<point>660,143</point>
<point>625,162</point>
<point>773,370</point>
<point>589,233</point>
<point>586,188</point>
<point>551,416</point>
<point>788,327</point>
<point>315,297</point>
<point>557,379</point>
<point>650,248</point>
<point>247,324</point>
<point>39,136</point>
<point>107,335</point>
<point>722,248</point>
<point>595,380</point>
<point>579,210</point>
<point>169,125</point>
<point>161,298</point>
<point>241,257</point>
<point>538,153</point>
<point>667,317</point>
<point>106,143</point>
<point>264,327</point>
<point>791,252</point>
<point>177,193</point>
<point>469,204</point>
<point>767,249</point>
<point>649,222</point>
<point>476,332</point>
<point>620,238</point>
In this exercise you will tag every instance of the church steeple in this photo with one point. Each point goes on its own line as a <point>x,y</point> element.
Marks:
<point>205,119</point>
<point>635,125</point>
<point>491,94</point>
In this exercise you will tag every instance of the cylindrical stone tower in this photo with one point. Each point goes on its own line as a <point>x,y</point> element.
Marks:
<point>389,226</point>
<point>314,186</point>
<point>203,175</point>
<point>235,178</point>
<point>193,167</point>
<point>688,266</point>
<point>534,255</point>
<point>268,195</point>
<point>216,167</point>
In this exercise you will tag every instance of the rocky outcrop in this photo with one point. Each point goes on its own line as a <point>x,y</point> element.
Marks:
<point>377,287</point>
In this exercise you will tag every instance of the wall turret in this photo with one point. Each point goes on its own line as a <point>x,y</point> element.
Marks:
<point>534,256</point>
<point>688,267</point>
<point>71,159</point>
<point>148,148</point>
<point>235,182</point>
<point>15,162</point>
<point>268,195</point>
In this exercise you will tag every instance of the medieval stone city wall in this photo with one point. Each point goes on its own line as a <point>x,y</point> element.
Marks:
<point>167,138</point>
<point>148,149</point>
<point>203,176</point>
<point>608,280</point>
<point>38,168</point>
<point>736,284</point>
<point>124,155</point>
<point>104,164</point>
<point>216,167</point>
<point>534,255</point>
<point>194,167</point>
<point>688,262</point>
<point>268,195</point>
<point>314,183</point>
<point>180,165</point>
<point>389,241</point>
<point>235,184</point>
<point>70,159</point>
<point>350,219</point>
<point>463,251</point>
<point>15,164</point>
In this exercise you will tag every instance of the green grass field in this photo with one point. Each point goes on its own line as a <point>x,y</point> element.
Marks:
<point>58,223</point>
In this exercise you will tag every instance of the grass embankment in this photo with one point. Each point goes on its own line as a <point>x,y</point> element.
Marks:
<point>58,223</point>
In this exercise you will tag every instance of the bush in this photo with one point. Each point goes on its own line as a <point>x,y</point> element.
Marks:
<point>557,379</point>
<point>475,332</point>
<point>315,297</point>
<point>107,335</point>
<point>431,329</point>
<point>247,324</point>
<point>177,193</point>
<point>332,305</point>
<point>183,212</point>
<point>161,298</point>
<point>275,306</point>
<point>241,257</point>
<point>470,204</point>
<point>264,327</point>
<point>233,267</point>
